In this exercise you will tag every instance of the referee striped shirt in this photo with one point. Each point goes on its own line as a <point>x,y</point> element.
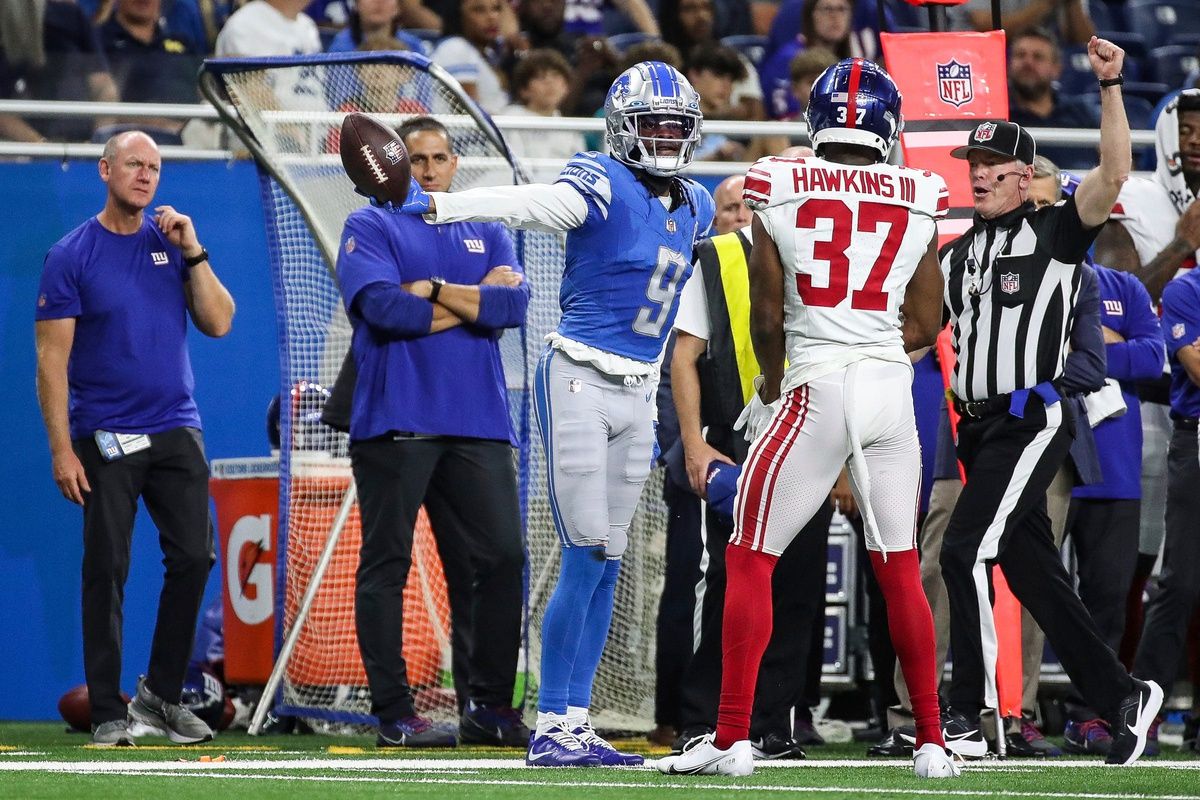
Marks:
<point>1010,287</point>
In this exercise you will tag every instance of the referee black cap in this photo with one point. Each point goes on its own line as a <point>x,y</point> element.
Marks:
<point>1004,138</point>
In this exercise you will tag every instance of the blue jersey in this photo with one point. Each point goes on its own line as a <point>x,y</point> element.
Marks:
<point>1181,327</point>
<point>629,260</point>
<point>129,370</point>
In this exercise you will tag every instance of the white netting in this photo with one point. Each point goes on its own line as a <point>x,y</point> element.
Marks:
<point>293,134</point>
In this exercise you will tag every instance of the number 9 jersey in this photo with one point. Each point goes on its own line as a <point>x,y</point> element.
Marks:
<point>629,260</point>
<point>850,239</point>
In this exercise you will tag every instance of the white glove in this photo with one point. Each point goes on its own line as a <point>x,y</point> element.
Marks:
<point>757,415</point>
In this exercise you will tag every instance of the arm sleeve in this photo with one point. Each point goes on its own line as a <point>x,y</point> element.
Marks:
<point>554,208</point>
<point>58,291</point>
<point>1142,355</point>
<point>1085,367</point>
<point>1180,316</point>
<point>393,313</point>
<point>503,306</point>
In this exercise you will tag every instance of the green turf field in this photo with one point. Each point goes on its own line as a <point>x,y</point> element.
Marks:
<point>40,760</point>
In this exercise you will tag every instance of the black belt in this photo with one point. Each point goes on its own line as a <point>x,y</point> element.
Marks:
<point>1185,424</point>
<point>978,409</point>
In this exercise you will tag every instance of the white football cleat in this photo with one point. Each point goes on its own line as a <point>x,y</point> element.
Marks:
<point>931,761</point>
<point>701,757</point>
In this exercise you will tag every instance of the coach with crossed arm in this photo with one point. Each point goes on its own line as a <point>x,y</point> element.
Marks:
<point>1011,285</point>
<point>115,386</point>
<point>429,424</point>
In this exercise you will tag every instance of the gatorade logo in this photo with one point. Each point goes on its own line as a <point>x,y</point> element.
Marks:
<point>249,581</point>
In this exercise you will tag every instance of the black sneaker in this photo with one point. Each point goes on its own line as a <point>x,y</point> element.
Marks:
<point>963,736</point>
<point>414,732</point>
<point>776,747</point>
<point>1132,720</point>
<point>895,745</point>
<point>1191,729</point>
<point>689,733</point>
<point>498,726</point>
<point>1087,738</point>
<point>1028,742</point>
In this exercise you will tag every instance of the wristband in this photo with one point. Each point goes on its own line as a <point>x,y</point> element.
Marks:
<point>1117,81</point>
<point>438,283</point>
<point>197,259</point>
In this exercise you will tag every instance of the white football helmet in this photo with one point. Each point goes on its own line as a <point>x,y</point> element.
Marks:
<point>648,100</point>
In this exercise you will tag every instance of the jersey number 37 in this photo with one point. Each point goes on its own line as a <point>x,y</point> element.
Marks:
<point>870,296</point>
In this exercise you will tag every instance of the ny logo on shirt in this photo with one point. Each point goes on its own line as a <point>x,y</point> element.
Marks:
<point>1114,307</point>
<point>160,258</point>
<point>474,245</point>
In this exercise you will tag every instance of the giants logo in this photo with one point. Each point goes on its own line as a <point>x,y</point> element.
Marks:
<point>474,245</point>
<point>954,83</point>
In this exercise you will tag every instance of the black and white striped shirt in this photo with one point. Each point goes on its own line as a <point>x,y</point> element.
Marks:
<point>1010,287</point>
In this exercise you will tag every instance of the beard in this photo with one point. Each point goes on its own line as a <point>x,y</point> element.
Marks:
<point>1032,89</point>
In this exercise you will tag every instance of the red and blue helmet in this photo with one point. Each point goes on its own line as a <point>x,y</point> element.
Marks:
<point>855,102</point>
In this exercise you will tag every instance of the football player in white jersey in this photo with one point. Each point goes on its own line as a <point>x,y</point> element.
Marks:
<point>844,282</point>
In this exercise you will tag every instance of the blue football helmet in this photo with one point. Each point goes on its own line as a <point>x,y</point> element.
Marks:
<point>871,118</point>
<point>650,111</point>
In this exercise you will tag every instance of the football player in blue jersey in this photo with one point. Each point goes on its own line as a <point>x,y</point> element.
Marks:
<point>630,222</point>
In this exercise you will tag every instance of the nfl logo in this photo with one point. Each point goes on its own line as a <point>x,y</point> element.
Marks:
<point>1178,330</point>
<point>954,83</point>
<point>985,131</point>
<point>391,151</point>
<point>1010,283</point>
<point>670,225</point>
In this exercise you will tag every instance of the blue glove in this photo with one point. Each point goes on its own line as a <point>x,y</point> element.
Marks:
<point>418,199</point>
<point>386,205</point>
<point>656,451</point>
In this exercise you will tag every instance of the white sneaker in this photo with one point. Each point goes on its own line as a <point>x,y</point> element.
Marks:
<point>931,761</point>
<point>701,757</point>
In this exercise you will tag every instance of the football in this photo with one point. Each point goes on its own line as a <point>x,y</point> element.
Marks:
<point>374,158</point>
<point>76,708</point>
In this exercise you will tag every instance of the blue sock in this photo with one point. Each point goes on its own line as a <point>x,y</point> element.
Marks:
<point>595,634</point>
<point>583,569</point>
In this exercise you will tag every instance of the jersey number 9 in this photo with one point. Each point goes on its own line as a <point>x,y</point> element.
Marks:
<point>661,291</point>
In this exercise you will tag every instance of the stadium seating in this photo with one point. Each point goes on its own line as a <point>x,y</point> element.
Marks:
<point>1171,64</point>
<point>1161,22</point>
<point>752,47</point>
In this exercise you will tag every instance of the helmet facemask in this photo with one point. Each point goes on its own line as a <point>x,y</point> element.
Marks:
<point>653,119</point>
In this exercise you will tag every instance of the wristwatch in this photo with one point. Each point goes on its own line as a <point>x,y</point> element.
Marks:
<point>197,259</point>
<point>438,283</point>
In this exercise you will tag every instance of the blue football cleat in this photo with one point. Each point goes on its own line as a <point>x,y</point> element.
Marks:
<point>609,756</point>
<point>558,747</point>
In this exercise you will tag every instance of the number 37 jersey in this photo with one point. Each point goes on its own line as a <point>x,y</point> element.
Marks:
<point>850,239</point>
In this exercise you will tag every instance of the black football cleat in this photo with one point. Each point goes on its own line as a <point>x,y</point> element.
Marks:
<point>1132,720</point>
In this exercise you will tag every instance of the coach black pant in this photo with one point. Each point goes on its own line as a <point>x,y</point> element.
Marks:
<point>675,625</point>
<point>171,477</point>
<point>469,489</point>
<point>1001,518</point>
<point>1170,609</point>
<point>798,602</point>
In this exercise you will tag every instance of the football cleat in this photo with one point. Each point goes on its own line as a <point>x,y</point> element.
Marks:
<point>1088,738</point>
<point>609,755</point>
<point>963,737</point>
<point>931,761</point>
<point>897,744</point>
<point>498,726</point>
<point>1028,742</point>
<point>701,757</point>
<point>1132,721</point>
<point>557,747</point>
<point>414,732</point>
<point>776,747</point>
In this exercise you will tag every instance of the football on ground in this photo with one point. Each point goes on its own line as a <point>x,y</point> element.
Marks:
<point>374,158</point>
<point>76,708</point>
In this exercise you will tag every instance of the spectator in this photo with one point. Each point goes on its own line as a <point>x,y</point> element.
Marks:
<point>541,23</point>
<point>372,19</point>
<point>430,425</point>
<point>269,28</point>
<point>473,51</point>
<point>540,83</point>
<point>713,70</point>
<point>688,24</point>
<point>644,51</point>
<point>51,52</point>
<point>586,17</point>
<point>149,63</point>
<point>119,290</point>
<point>1068,18</point>
<point>824,23</point>
<point>1034,64</point>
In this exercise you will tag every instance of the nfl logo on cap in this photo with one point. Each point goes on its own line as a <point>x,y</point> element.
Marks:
<point>985,131</point>
<point>954,83</point>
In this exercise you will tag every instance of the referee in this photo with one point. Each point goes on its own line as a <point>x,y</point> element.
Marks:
<point>1011,285</point>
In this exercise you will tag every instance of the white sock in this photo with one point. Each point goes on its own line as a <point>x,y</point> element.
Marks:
<point>548,719</point>
<point>577,716</point>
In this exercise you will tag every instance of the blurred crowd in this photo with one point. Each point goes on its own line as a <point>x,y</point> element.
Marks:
<point>749,59</point>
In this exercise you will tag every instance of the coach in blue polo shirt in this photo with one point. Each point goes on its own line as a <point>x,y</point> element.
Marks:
<point>115,387</point>
<point>1169,610</point>
<point>430,425</point>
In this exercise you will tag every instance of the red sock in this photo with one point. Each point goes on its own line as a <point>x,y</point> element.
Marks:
<point>745,631</point>
<point>911,626</point>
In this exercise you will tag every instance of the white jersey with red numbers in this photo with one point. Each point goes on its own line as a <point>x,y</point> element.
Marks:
<point>850,239</point>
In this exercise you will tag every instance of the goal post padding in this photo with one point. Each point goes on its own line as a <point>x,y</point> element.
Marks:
<point>288,112</point>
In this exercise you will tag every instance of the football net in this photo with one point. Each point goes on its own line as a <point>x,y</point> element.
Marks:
<point>288,113</point>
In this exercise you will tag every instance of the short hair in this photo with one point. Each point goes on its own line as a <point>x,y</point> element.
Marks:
<point>1038,33</point>
<point>381,41</point>
<point>810,62</point>
<point>1188,101</point>
<point>423,124</point>
<point>651,51</point>
<point>717,59</point>
<point>537,63</point>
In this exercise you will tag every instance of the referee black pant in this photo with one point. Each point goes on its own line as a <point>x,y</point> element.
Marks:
<point>171,477</point>
<point>1170,609</point>
<point>798,602</point>
<point>1001,518</point>
<point>469,490</point>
